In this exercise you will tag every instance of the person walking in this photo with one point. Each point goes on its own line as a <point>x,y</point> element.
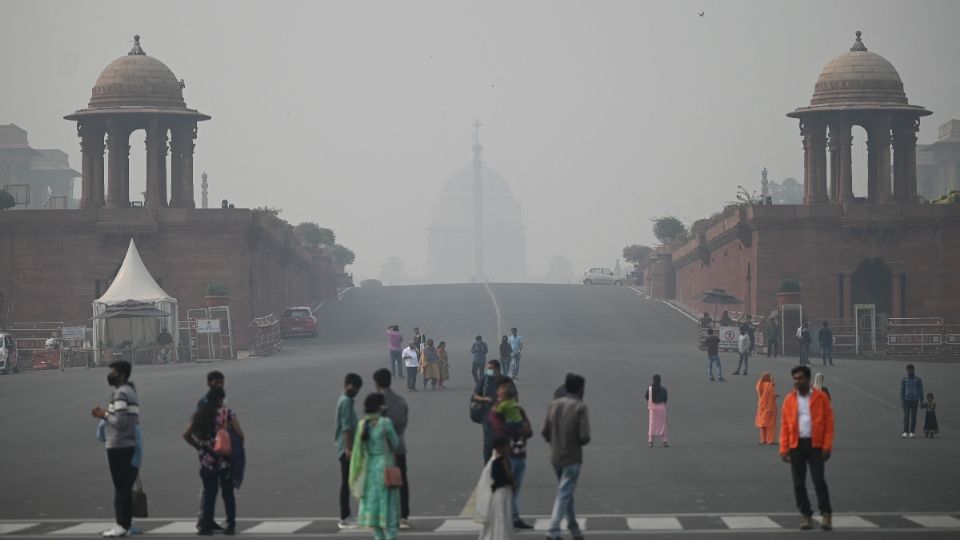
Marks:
<point>930,425</point>
<point>344,435</point>
<point>215,468</point>
<point>122,416</point>
<point>479,352</point>
<point>215,379</point>
<point>498,477</point>
<point>773,338</point>
<point>375,444</point>
<point>444,365</point>
<point>395,347</point>
<point>398,413</point>
<point>803,334</point>
<point>567,430</point>
<point>517,434</point>
<point>751,331</point>
<point>743,347</point>
<point>485,393</point>
<point>516,345</point>
<point>911,394</point>
<point>825,337</point>
<point>712,343</point>
<point>411,360</point>
<point>430,365</point>
<point>656,396</point>
<point>766,418</point>
<point>506,352</point>
<point>806,441</point>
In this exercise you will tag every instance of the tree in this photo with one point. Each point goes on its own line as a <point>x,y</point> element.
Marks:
<point>638,255</point>
<point>315,235</point>
<point>668,229</point>
<point>6,200</point>
<point>341,255</point>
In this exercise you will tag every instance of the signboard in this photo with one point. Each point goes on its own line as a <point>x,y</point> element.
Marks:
<point>78,333</point>
<point>913,339</point>
<point>728,337</point>
<point>208,326</point>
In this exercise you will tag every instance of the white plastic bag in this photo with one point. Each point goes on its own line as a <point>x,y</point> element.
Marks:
<point>482,494</point>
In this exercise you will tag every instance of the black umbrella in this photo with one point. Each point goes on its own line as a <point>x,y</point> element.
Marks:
<point>719,297</point>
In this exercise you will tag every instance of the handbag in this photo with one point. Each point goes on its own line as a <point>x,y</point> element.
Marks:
<point>392,475</point>
<point>139,500</point>
<point>478,409</point>
<point>221,442</point>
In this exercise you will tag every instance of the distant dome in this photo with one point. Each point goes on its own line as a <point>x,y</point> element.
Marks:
<point>137,80</point>
<point>462,181</point>
<point>858,76</point>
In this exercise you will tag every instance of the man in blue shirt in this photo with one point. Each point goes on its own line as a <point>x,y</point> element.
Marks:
<point>911,393</point>
<point>346,427</point>
<point>516,343</point>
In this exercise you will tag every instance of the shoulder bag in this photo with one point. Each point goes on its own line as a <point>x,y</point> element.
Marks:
<point>222,445</point>
<point>392,475</point>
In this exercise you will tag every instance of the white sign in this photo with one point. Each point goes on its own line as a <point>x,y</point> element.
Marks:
<point>728,337</point>
<point>208,326</point>
<point>73,333</point>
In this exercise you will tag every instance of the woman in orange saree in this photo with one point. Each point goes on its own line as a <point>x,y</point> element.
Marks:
<point>767,409</point>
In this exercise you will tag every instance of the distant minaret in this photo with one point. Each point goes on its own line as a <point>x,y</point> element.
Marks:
<point>203,190</point>
<point>763,184</point>
<point>478,273</point>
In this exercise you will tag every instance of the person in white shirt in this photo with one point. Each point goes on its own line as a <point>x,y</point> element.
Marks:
<point>743,346</point>
<point>411,360</point>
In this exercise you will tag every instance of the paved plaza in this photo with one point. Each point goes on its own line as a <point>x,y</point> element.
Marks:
<point>713,480</point>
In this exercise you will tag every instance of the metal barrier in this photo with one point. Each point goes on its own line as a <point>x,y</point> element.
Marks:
<point>915,335</point>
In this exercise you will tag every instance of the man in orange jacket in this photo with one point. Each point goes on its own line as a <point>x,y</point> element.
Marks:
<point>806,439</point>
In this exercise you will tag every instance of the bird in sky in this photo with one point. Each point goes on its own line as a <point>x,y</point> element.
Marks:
<point>701,13</point>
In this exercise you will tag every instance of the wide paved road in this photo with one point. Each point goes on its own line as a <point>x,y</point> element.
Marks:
<point>714,478</point>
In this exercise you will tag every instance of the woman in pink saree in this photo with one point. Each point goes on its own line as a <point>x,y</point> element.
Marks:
<point>656,396</point>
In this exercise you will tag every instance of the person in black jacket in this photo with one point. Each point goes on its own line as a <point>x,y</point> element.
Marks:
<point>826,344</point>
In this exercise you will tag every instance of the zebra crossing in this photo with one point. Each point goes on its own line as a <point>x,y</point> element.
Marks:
<point>439,526</point>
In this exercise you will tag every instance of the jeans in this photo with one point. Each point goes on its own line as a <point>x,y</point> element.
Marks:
<point>711,360</point>
<point>800,457</point>
<point>411,378</point>
<point>211,481</point>
<point>743,362</point>
<point>826,353</point>
<point>401,461</point>
<point>910,415</point>
<point>344,487</point>
<point>123,474</point>
<point>396,364</point>
<point>774,347</point>
<point>505,366</point>
<point>567,476</point>
<point>804,353</point>
<point>477,371</point>
<point>515,364</point>
<point>519,467</point>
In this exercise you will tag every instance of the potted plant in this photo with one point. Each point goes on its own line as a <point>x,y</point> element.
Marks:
<point>789,292</point>
<point>217,295</point>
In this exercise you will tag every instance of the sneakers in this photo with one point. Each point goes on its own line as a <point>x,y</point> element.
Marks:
<point>806,523</point>
<point>904,436</point>
<point>911,435</point>
<point>712,379</point>
<point>115,532</point>
<point>737,372</point>
<point>721,379</point>
<point>520,525</point>
<point>826,522</point>
<point>405,524</point>
<point>347,524</point>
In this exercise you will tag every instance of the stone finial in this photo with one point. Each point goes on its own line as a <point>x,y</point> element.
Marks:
<point>858,44</point>
<point>136,50</point>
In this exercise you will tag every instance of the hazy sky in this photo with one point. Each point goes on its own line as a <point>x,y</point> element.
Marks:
<point>600,115</point>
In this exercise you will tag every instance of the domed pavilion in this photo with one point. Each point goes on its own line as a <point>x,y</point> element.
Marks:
<point>134,92</point>
<point>859,88</point>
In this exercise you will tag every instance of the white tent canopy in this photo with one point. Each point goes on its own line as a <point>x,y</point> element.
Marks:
<point>134,282</point>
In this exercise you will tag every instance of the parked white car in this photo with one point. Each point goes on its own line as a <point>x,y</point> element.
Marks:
<point>602,276</point>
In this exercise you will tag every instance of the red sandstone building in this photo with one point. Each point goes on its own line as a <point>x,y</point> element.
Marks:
<point>884,247</point>
<point>54,263</point>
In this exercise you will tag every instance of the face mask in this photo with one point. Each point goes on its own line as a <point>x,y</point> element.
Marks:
<point>489,373</point>
<point>111,379</point>
<point>352,393</point>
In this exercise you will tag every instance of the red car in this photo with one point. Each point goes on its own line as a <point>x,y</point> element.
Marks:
<point>299,321</point>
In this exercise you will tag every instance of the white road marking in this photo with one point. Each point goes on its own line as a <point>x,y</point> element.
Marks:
<point>750,522</point>
<point>177,527</point>
<point>8,528</point>
<point>654,524</point>
<point>277,527</point>
<point>459,525</point>
<point>852,522</point>
<point>496,307</point>
<point>936,522</point>
<point>680,311</point>
<point>543,524</point>
<point>87,528</point>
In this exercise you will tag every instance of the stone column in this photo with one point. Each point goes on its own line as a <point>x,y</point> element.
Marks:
<point>845,142</point>
<point>91,144</point>
<point>834,145</point>
<point>814,162</point>
<point>156,143</point>
<point>896,306</point>
<point>181,162</point>
<point>118,144</point>
<point>848,296</point>
<point>905,161</point>
<point>881,154</point>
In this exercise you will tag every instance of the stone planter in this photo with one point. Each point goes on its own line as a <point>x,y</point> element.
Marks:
<point>784,298</point>
<point>216,301</point>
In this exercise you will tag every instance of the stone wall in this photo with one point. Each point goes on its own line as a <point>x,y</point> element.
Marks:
<point>51,261</point>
